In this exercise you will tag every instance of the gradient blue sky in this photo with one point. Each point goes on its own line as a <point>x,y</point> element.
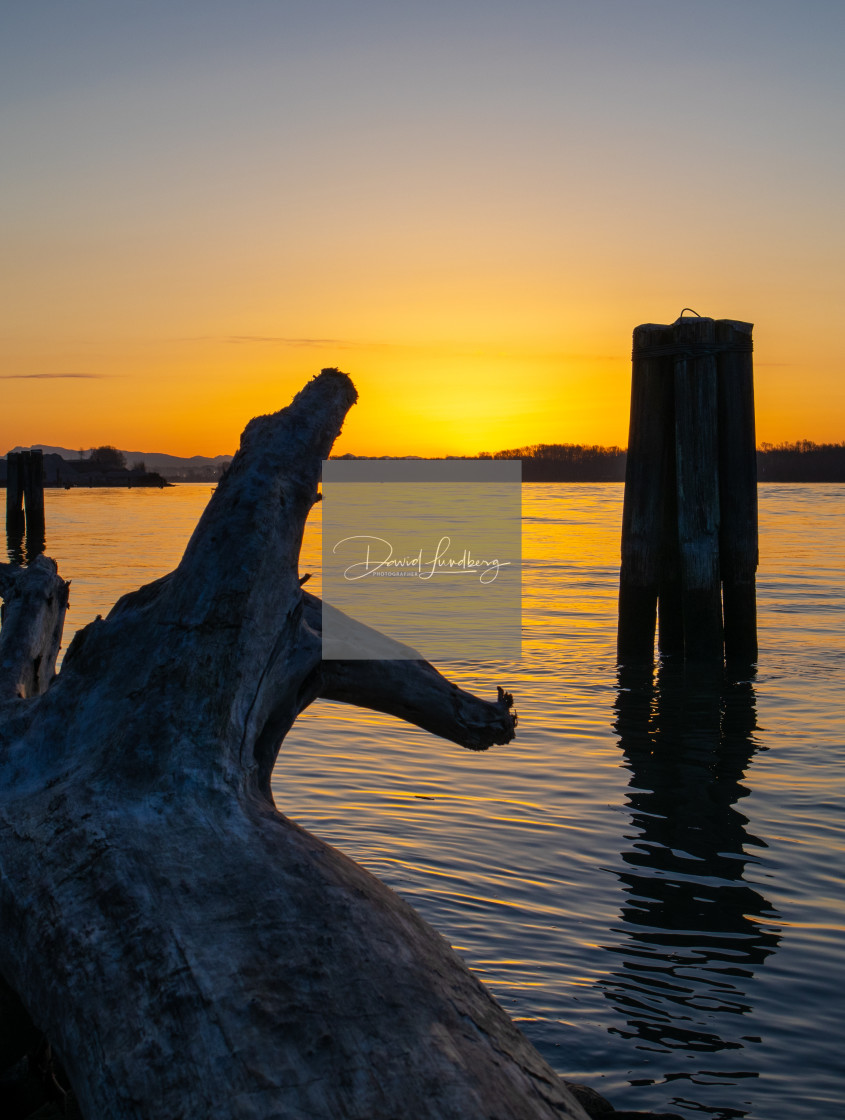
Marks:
<point>468,206</point>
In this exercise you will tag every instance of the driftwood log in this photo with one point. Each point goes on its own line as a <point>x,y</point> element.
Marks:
<point>187,950</point>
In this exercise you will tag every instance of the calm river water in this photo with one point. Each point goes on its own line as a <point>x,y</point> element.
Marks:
<point>650,877</point>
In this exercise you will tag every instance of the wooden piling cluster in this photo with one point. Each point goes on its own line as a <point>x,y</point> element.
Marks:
<point>25,495</point>
<point>689,523</point>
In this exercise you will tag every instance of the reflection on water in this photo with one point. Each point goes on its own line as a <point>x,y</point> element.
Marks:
<point>692,932</point>
<point>14,539</point>
<point>25,538</point>
<point>653,980</point>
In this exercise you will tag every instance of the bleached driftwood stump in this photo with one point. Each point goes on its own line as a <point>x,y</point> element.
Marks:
<point>187,950</point>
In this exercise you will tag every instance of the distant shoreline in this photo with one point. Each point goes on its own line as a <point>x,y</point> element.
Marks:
<point>165,485</point>
<point>803,461</point>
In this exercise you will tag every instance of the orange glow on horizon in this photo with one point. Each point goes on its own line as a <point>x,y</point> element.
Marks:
<point>468,214</point>
<point>194,397</point>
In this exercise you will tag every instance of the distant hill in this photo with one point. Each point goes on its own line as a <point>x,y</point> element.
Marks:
<point>68,473</point>
<point>175,468</point>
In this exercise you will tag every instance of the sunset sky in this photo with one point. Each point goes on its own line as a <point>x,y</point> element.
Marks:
<point>466,205</point>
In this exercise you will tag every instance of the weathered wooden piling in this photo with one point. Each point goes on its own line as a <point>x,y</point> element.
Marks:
<point>697,487</point>
<point>645,476</point>
<point>689,525</point>
<point>738,542</point>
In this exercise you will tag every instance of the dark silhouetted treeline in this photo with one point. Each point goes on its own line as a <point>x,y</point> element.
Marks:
<point>803,461</point>
<point>566,462</point>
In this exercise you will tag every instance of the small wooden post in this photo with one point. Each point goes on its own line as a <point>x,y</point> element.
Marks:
<point>25,503</point>
<point>33,497</point>
<point>14,492</point>
<point>689,525</point>
<point>33,486</point>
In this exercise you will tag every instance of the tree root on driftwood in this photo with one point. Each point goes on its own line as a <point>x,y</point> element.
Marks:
<point>186,949</point>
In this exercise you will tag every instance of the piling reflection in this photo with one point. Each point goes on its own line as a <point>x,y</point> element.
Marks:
<point>35,540</point>
<point>25,538</point>
<point>15,528</point>
<point>692,931</point>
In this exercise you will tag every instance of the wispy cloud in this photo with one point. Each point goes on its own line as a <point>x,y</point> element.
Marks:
<point>47,376</point>
<point>335,343</point>
<point>441,347</point>
<point>289,341</point>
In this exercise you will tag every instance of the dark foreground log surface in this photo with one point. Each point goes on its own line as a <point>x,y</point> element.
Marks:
<point>187,950</point>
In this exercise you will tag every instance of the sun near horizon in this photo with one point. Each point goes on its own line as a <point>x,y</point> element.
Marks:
<point>414,399</point>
